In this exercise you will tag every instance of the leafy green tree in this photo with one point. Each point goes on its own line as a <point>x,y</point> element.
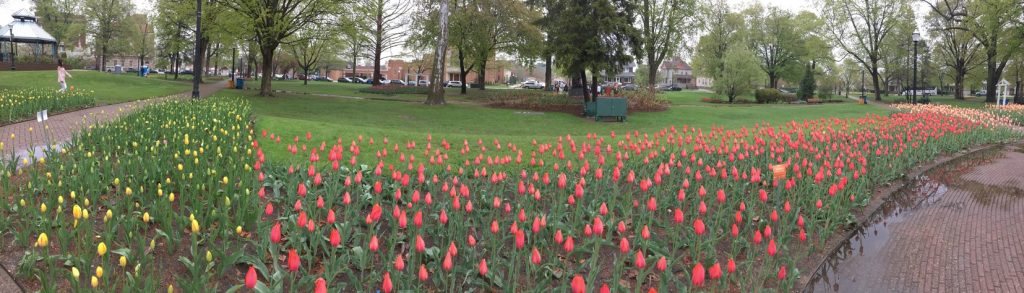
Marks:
<point>994,24</point>
<point>662,26</point>
<point>722,30</point>
<point>273,21</point>
<point>385,28</point>
<point>739,72</point>
<point>61,19</point>
<point>807,84</point>
<point>774,39</point>
<point>108,24</point>
<point>956,48</point>
<point>503,26</point>
<point>311,45</point>
<point>594,36</point>
<point>861,28</point>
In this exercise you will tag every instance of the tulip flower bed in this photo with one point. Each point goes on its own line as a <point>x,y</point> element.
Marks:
<point>151,200</point>
<point>18,105</point>
<point>718,210</point>
<point>1014,112</point>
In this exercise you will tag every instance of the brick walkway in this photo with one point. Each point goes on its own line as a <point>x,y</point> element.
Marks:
<point>958,229</point>
<point>29,135</point>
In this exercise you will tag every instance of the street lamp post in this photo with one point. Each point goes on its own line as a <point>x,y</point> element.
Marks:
<point>10,28</point>
<point>863,95</point>
<point>917,38</point>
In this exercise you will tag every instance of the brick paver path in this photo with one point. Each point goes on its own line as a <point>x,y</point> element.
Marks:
<point>21,137</point>
<point>959,229</point>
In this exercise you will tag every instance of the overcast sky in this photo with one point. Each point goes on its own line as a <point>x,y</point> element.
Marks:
<point>10,6</point>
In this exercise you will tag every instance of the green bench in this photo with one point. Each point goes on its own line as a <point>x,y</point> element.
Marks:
<point>607,107</point>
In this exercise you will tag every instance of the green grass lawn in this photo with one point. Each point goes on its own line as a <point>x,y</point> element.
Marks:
<point>291,115</point>
<point>107,88</point>
<point>967,102</point>
<point>353,90</point>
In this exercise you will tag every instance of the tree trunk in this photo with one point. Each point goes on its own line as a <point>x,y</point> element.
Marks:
<point>268,58</point>
<point>355,58</point>
<point>462,71</point>
<point>583,81</point>
<point>958,85</point>
<point>436,95</point>
<point>481,78</point>
<point>993,81</point>
<point>305,77</point>
<point>773,80</point>
<point>377,51</point>
<point>103,59</point>
<point>875,82</point>
<point>652,71</point>
<point>593,86</point>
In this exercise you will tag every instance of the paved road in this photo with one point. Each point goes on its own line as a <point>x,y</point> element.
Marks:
<point>960,228</point>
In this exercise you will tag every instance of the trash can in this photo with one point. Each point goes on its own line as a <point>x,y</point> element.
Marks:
<point>239,83</point>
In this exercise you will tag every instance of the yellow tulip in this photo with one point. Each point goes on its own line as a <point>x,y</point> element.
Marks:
<point>95,281</point>
<point>72,195</point>
<point>99,271</point>
<point>42,241</point>
<point>101,249</point>
<point>117,181</point>
<point>145,217</point>
<point>75,273</point>
<point>170,288</point>
<point>238,230</point>
<point>195,226</point>
<point>209,256</point>
<point>123,261</point>
<point>171,197</point>
<point>76,211</point>
<point>42,208</point>
<point>60,199</point>
<point>225,180</point>
<point>128,191</point>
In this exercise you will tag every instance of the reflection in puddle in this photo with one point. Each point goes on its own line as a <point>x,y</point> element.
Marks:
<point>859,264</point>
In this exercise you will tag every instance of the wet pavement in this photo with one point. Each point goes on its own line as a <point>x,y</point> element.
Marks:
<point>956,228</point>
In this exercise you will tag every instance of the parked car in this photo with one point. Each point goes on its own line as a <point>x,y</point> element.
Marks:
<point>981,93</point>
<point>630,87</point>
<point>397,82</point>
<point>670,87</point>
<point>423,82</point>
<point>533,84</point>
<point>345,80</point>
<point>453,83</point>
<point>920,92</point>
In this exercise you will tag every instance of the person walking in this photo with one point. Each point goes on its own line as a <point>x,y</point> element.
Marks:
<point>61,73</point>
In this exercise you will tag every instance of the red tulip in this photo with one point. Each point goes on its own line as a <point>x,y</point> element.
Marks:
<point>605,289</point>
<point>698,275</point>
<point>374,214</point>
<point>721,196</point>
<point>621,227</point>
<point>454,251</point>
<point>321,286</point>
<point>568,245</point>
<point>640,261</point>
<point>293,260</point>
<point>520,239</point>
<point>803,235</point>
<point>598,226</point>
<point>757,236</point>
<point>774,216</point>
<point>731,266</point>
<point>447,263</point>
<point>423,273</point>
<point>319,199</point>
<point>250,277</point>
<point>386,286</point>
<point>782,272</point>
<point>558,236</point>
<point>399,262</point>
<point>768,231</point>
<point>603,209</point>
<point>535,256</point>
<point>420,245</point>
<point>471,241</point>
<point>715,272</point>
<point>335,237</point>
<point>662,264</point>
<point>623,245</point>
<point>275,233</point>
<point>330,216</point>
<point>483,267</point>
<point>302,189</point>
<point>645,233</point>
<point>698,227</point>
<point>443,217</point>
<point>578,284</point>
<point>374,243</point>
<point>269,210</point>
<point>771,247</point>
<point>677,217</point>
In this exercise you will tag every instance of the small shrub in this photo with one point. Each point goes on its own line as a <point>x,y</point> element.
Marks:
<point>644,100</point>
<point>788,98</point>
<point>767,95</point>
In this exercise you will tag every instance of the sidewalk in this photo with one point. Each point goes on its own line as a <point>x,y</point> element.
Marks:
<point>31,135</point>
<point>954,229</point>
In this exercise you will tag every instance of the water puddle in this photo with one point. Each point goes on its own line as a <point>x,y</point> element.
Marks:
<point>863,261</point>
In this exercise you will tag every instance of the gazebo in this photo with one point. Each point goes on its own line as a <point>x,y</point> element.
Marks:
<point>24,33</point>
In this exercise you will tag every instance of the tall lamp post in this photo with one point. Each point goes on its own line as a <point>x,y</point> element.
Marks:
<point>10,28</point>
<point>863,95</point>
<point>917,38</point>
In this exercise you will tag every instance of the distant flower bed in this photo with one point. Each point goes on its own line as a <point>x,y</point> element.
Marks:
<point>639,101</point>
<point>390,90</point>
<point>21,104</point>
